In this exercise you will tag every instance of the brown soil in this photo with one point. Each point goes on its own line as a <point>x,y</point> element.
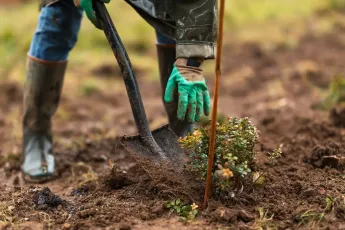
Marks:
<point>276,88</point>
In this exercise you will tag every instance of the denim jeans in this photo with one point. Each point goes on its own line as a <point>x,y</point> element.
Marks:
<point>57,32</point>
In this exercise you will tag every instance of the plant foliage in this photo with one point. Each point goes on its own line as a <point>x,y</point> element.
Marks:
<point>234,152</point>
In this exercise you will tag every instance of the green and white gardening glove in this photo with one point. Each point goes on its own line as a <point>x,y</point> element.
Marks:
<point>90,13</point>
<point>192,91</point>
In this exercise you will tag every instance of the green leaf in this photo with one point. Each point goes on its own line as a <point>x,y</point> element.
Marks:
<point>185,208</point>
<point>258,178</point>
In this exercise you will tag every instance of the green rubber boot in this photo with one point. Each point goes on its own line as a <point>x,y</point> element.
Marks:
<point>42,92</point>
<point>166,60</point>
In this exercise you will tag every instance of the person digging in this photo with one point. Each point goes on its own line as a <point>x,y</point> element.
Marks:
<point>186,34</point>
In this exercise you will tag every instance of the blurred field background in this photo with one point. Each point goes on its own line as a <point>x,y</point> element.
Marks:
<point>271,23</point>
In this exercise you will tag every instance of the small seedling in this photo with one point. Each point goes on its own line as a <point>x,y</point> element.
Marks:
<point>313,217</point>
<point>187,212</point>
<point>330,203</point>
<point>112,167</point>
<point>310,217</point>
<point>259,177</point>
<point>274,156</point>
<point>234,152</point>
<point>264,221</point>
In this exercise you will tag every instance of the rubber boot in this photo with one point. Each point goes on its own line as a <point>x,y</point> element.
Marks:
<point>42,90</point>
<point>166,60</point>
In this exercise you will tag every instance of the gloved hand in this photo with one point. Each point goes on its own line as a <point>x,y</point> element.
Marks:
<point>193,95</point>
<point>90,13</point>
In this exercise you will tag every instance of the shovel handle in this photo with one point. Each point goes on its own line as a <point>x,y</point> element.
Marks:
<point>128,76</point>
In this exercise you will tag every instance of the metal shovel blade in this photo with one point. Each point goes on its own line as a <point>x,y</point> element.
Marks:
<point>166,139</point>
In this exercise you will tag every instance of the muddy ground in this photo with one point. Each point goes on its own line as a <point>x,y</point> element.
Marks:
<point>277,88</point>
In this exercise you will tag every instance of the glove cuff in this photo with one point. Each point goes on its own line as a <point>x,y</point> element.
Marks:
<point>189,62</point>
<point>190,69</point>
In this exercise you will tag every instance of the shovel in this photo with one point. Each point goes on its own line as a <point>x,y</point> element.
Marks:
<point>160,145</point>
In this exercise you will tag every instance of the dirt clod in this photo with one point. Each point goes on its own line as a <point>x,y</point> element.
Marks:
<point>46,200</point>
<point>87,213</point>
<point>125,226</point>
<point>333,162</point>
<point>330,155</point>
<point>245,216</point>
<point>337,116</point>
<point>83,190</point>
<point>340,212</point>
<point>225,214</point>
<point>118,181</point>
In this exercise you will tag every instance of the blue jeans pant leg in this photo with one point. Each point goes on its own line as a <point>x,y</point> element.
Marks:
<point>57,31</point>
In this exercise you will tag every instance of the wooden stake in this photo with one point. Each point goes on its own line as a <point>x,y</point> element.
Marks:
<point>215,105</point>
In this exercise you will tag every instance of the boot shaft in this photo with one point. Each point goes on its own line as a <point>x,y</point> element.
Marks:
<point>42,91</point>
<point>166,59</point>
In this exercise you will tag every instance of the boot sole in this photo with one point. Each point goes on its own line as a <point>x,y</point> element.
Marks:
<point>38,179</point>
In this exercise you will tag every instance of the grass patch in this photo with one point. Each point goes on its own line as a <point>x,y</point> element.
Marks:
<point>313,217</point>
<point>335,94</point>
<point>264,221</point>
